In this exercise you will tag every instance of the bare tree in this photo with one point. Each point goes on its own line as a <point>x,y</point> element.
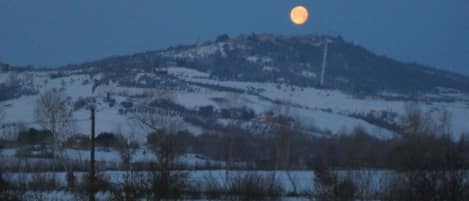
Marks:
<point>364,182</point>
<point>328,186</point>
<point>285,131</point>
<point>53,113</point>
<point>415,121</point>
<point>126,151</point>
<point>444,120</point>
<point>429,163</point>
<point>163,142</point>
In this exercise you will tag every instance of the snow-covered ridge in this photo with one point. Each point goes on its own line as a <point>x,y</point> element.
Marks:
<point>201,50</point>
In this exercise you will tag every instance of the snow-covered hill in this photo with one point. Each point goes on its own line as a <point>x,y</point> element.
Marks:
<point>320,111</point>
<point>292,59</point>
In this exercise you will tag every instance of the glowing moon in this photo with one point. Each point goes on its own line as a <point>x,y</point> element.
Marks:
<point>299,15</point>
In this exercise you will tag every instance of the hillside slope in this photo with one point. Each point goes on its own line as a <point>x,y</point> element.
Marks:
<point>296,60</point>
<point>243,80</point>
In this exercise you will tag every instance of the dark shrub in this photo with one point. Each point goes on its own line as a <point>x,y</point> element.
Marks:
<point>35,137</point>
<point>78,141</point>
<point>109,140</point>
<point>329,187</point>
<point>252,186</point>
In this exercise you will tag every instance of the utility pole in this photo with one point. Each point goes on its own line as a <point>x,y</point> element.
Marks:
<point>92,171</point>
<point>324,62</point>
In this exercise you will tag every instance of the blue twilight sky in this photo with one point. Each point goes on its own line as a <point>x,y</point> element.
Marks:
<point>57,32</point>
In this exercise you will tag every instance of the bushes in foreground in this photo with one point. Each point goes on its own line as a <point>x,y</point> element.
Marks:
<point>243,186</point>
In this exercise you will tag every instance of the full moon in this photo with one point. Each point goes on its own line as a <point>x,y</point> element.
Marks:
<point>299,15</point>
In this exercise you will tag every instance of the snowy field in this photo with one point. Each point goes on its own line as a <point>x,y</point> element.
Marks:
<point>303,181</point>
<point>110,157</point>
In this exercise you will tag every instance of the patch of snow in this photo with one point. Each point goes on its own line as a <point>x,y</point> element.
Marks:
<point>186,72</point>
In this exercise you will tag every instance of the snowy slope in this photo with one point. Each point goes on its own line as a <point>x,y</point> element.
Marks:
<point>328,110</point>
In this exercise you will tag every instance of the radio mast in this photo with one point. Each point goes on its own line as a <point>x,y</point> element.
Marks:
<point>324,62</point>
